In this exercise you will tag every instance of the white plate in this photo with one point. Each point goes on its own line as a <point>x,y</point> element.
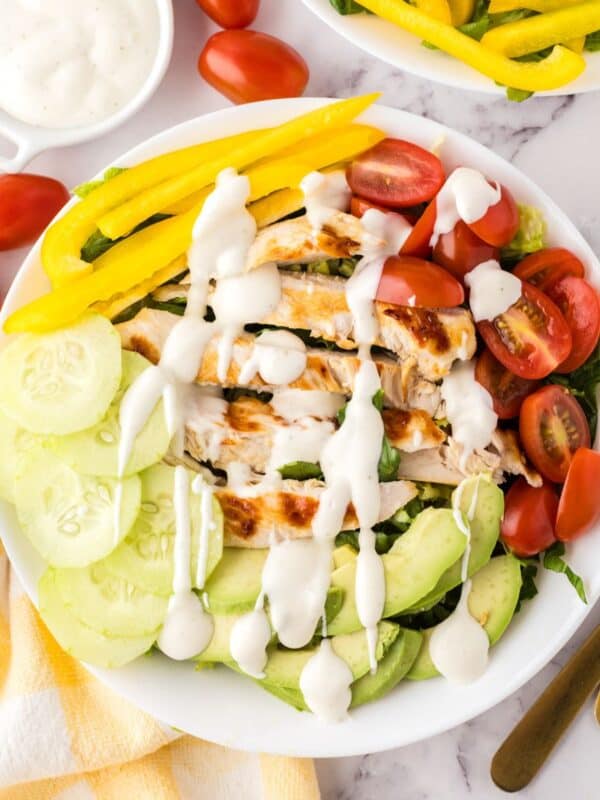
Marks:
<point>223,707</point>
<point>401,49</point>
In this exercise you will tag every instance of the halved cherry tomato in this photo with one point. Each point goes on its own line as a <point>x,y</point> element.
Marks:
<point>507,390</point>
<point>532,338</point>
<point>396,174</point>
<point>552,427</point>
<point>579,506</point>
<point>246,66</point>
<point>408,281</point>
<point>580,306</point>
<point>230,13</point>
<point>461,250</point>
<point>27,204</point>
<point>358,206</point>
<point>529,518</point>
<point>418,243</point>
<point>500,223</point>
<point>544,268</point>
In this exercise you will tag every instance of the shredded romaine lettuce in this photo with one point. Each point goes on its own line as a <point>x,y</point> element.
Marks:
<point>530,237</point>
<point>88,187</point>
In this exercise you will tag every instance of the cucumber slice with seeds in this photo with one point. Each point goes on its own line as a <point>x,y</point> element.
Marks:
<point>145,556</point>
<point>95,450</point>
<point>81,641</point>
<point>14,442</point>
<point>63,381</point>
<point>70,518</point>
<point>108,604</point>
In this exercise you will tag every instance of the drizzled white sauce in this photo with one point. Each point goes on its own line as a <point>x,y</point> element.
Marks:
<point>325,684</point>
<point>249,640</point>
<point>493,290</point>
<point>469,409</point>
<point>204,491</point>
<point>294,404</point>
<point>324,194</point>
<point>302,441</point>
<point>459,646</point>
<point>279,357</point>
<point>465,196</point>
<point>370,590</point>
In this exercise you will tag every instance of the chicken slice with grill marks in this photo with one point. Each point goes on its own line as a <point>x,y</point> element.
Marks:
<point>245,430</point>
<point>326,370</point>
<point>432,339</point>
<point>256,515</point>
<point>443,464</point>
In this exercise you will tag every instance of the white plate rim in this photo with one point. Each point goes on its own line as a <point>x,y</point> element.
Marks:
<point>387,42</point>
<point>222,707</point>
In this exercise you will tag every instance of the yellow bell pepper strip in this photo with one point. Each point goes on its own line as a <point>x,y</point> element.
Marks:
<point>61,247</point>
<point>576,45</point>
<point>438,9</point>
<point>113,307</point>
<point>535,33</point>
<point>276,206</point>
<point>123,219</point>
<point>316,152</point>
<point>559,68</point>
<point>461,11</point>
<point>500,6</point>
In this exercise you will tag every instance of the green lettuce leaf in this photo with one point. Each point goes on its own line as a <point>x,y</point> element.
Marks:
<point>88,187</point>
<point>530,237</point>
<point>553,560</point>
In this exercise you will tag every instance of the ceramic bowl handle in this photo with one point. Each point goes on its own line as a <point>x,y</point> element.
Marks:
<point>26,150</point>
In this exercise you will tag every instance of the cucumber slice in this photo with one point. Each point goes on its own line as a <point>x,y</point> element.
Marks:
<point>63,381</point>
<point>80,641</point>
<point>70,518</point>
<point>145,556</point>
<point>108,604</point>
<point>95,451</point>
<point>14,442</point>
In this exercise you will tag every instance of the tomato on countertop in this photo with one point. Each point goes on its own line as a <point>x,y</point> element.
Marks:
<point>396,174</point>
<point>580,306</point>
<point>552,427</point>
<point>507,390</point>
<point>247,66</point>
<point>27,204</point>
<point>579,505</point>
<point>544,268</point>
<point>408,281</point>
<point>531,338</point>
<point>529,518</point>
<point>231,13</point>
<point>500,223</point>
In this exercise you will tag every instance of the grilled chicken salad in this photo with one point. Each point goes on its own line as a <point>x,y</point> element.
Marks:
<point>299,403</point>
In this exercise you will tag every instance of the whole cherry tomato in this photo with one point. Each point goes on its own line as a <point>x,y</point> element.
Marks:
<point>579,304</point>
<point>529,518</point>
<point>27,204</point>
<point>461,250</point>
<point>247,66</point>
<point>500,223</point>
<point>231,13</point>
<point>579,505</point>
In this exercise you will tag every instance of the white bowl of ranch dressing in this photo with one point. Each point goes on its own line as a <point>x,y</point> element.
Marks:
<point>74,69</point>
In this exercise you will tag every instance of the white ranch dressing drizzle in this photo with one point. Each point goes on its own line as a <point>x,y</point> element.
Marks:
<point>325,684</point>
<point>69,63</point>
<point>465,196</point>
<point>294,404</point>
<point>459,646</point>
<point>324,194</point>
<point>279,357</point>
<point>469,409</point>
<point>493,290</point>
<point>302,441</point>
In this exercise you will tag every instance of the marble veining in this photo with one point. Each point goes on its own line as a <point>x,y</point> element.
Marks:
<point>554,141</point>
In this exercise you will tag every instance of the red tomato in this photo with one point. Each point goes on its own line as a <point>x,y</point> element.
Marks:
<point>408,281</point>
<point>27,204</point>
<point>417,243</point>
<point>246,66</point>
<point>530,339</point>
<point>396,173</point>
<point>552,427</point>
<point>544,268</point>
<point>580,306</point>
<point>500,223</point>
<point>230,13</point>
<point>579,506</point>
<point>507,390</point>
<point>461,250</point>
<point>529,518</point>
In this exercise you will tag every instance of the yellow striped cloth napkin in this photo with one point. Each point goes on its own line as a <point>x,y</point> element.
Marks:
<point>65,736</point>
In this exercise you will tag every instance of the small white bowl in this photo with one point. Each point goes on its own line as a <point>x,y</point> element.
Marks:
<point>31,140</point>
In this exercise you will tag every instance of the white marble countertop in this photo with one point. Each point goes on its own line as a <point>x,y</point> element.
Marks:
<point>555,142</point>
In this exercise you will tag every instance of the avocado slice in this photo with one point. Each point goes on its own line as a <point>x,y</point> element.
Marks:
<point>412,567</point>
<point>494,596</point>
<point>235,582</point>
<point>343,555</point>
<point>485,529</point>
<point>395,664</point>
